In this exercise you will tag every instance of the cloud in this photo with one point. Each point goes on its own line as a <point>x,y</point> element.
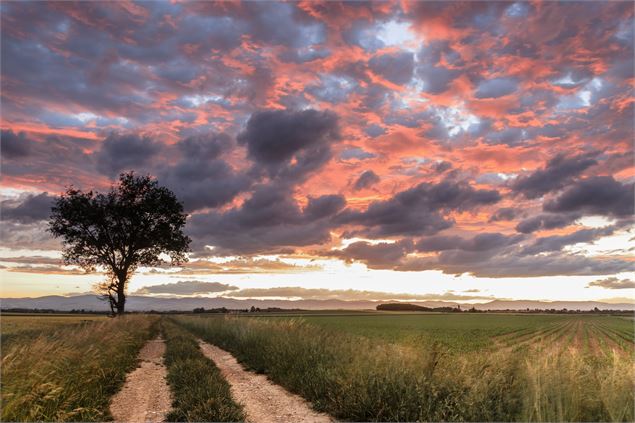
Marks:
<point>275,138</point>
<point>612,283</point>
<point>436,79</point>
<point>504,214</point>
<point>243,265</point>
<point>546,221</point>
<point>186,288</point>
<point>324,206</point>
<point>442,166</point>
<point>240,109</point>
<point>367,179</point>
<point>202,177</point>
<point>125,152</point>
<point>29,209</point>
<point>512,264</point>
<point>356,153</point>
<point>14,145</point>
<point>598,195</point>
<point>495,88</point>
<point>481,242</point>
<point>30,236</point>
<point>270,220</point>
<point>558,242</point>
<point>558,172</point>
<point>347,295</point>
<point>380,255</point>
<point>417,211</point>
<point>395,67</point>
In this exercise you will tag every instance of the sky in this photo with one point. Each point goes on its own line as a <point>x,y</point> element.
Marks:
<point>463,151</point>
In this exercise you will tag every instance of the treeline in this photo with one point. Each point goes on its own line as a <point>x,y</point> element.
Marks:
<point>414,307</point>
<point>457,309</point>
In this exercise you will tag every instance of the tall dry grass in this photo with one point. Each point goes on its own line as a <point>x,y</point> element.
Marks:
<point>354,378</point>
<point>70,375</point>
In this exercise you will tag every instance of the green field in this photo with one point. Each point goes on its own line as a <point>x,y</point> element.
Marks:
<point>11,323</point>
<point>355,366</point>
<point>432,367</point>
<point>470,332</point>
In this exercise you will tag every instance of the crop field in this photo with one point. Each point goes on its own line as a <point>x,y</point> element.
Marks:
<point>353,366</point>
<point>465,332</point>
<point>431,367</point>
<point>20,327</point>
<point>66,369</point>
<point>23,323</point>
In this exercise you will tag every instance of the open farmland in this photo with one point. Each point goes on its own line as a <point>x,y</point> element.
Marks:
<point>471,332</point>
<point>23,325</point>
<point>478,367</point>
<point>66,372</point>
<point>351,366</point>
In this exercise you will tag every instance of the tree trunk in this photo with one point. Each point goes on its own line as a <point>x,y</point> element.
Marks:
<point>121,294</point>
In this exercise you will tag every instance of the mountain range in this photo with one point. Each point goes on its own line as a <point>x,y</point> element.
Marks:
<point>148,303</point>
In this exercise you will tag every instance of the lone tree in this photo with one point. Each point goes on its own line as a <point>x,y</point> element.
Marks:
<point>132,225</point>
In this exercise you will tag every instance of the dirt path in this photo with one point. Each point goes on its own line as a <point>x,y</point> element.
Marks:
<point>145,397</point>
<point>264,401</point>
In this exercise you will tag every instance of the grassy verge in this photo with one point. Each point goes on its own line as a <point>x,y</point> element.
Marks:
<point>71,374</point>
<point>200,391</point>
<point>354,378</point>
<point>359,379</point>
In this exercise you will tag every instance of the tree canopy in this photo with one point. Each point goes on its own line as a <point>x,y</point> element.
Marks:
<point>134,224</point>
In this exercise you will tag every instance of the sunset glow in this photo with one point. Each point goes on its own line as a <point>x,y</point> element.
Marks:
<point>459,151</point>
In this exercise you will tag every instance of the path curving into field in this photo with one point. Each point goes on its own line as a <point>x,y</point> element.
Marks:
<point>145,397</point>
<point>263,400</point>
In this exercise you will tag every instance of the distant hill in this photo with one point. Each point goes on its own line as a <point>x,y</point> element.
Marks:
<point>146,303</point>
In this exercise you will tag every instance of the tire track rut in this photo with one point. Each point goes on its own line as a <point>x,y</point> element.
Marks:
<point>263,401</point>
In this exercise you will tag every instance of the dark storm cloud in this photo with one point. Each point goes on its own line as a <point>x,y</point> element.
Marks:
<point>274,138</point>
<point>121,152</point>
<point>13,145</point>
<point>598,195</point>
<point>558,172</point>
<point>612,283</point>
<point>186,288</point>
<point>558,242</point>
<point>546,221</point>
<point>417,211</point>
<point>270,220</point>
<point>204,183</point>
<point>436,79</point>
<point>480,242</point>
<point>31,209</point>
<point>205,146</point>
<point>367,179</point>
<point>376,256</point>
<point>510,263</point>
<point>202,178</point>
<point>395,67</point>
<point>504,214</point>
<point>326,205</point>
